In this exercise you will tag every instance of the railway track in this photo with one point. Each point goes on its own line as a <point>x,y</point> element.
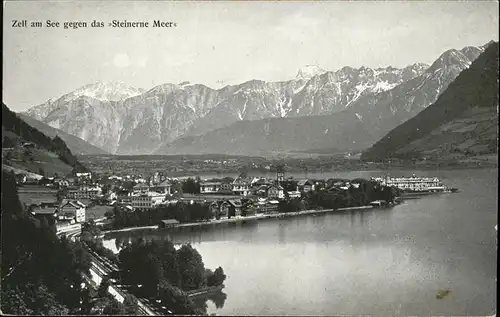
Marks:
<point>105,267</point>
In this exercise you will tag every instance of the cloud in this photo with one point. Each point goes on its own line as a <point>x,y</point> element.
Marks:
<point>121,60</point>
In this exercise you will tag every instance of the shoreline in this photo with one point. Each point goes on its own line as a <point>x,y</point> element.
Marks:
<point>241,219</point>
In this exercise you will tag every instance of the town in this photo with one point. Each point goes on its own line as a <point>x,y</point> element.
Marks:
<point>121,201</point>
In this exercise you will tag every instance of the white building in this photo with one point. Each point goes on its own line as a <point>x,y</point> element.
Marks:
<point>276,192</point>
<point>241,187</point>
<point>165,187</point>
<point>306,185</point>
<point>141,188</point>
<point>294,194</point>
<point>84,192</point>
<point>72,210</point>
<point>210,187</point>
<point>147,200</point>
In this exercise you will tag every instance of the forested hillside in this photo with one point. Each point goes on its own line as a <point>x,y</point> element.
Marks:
<point>462,123</point>
<point>15,132</point>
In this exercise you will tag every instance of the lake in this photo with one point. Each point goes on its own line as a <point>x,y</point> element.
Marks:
<point>378,262</point>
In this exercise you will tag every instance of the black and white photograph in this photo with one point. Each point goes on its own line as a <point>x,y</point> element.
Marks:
<point>249,158</point>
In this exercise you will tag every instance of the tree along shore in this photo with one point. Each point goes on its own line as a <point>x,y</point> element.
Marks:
<point>242,219</point>
<point>327,198</point>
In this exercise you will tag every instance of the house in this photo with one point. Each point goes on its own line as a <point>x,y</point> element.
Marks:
<point>148,200</point>
<point>241,187</point>
<point>61,182</point>
<point>84,175</point>
<point>226,208</point>
<point>215,209</point>
<point>169,223</point>
<point>72,210</point>
<point>294,194</point>
<point>165,187</point>
<point>159,177</point>
<point>83,192</point>
<point>305,185</point>
<point>233,207</point>
<point>226,188</point>
<point>259,181</point>
<point>261,190</point>
<point>123,196</point>
<point>141,187</point>
<point>44,209</point>
<point>335,182</point>
<point>45,212</point>
<point>271,206</point>
<point>378,203</point>
<point>210,187</point>
<point>276,192</point>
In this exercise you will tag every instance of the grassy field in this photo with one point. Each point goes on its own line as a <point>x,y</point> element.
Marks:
<point>38,161</point>
<point>97,212</point>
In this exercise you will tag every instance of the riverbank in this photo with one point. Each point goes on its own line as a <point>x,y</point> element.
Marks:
<point>237,219</point>
<point>269,216</point>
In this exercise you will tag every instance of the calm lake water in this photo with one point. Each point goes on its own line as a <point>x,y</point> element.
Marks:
<point>378,262</point>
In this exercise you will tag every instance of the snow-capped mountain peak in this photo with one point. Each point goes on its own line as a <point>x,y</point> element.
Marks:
<point>108,91</point>
<point>309,71</point>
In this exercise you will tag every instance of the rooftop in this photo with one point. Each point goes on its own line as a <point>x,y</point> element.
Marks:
<point>170,221</point>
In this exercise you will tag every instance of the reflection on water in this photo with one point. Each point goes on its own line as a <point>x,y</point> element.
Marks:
<point>216,299</point>
<point>378,262</point>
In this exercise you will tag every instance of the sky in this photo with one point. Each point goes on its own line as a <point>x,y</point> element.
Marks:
<point>222,43</point>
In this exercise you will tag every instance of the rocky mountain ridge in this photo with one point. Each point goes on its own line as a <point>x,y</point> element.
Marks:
<point>353,129</point>
<point>146,121</point>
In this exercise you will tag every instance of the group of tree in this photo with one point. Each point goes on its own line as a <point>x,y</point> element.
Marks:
<point>41,274</point>
<point>291,205</point>
<point>333,197</point>
<point>181,211</point>
<point>101,302</point>
<point>191,186</point>
<point>91,236</point>
<point>165,273</point>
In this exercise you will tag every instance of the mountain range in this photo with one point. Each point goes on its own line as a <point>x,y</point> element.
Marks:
<point>462,123</point>
<point>348,109</point>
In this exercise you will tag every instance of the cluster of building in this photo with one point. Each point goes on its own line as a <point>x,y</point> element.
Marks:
<point>60,200</point>
<point>223,196</point>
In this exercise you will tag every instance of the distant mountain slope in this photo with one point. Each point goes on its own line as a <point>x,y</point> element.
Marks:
<point>50,155</point>
<point>463,120</point>
<point>272,136</point>
<point>75,144</point>
<point>141,123</point>
<point>365,120</point>
<point>125,120</point>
